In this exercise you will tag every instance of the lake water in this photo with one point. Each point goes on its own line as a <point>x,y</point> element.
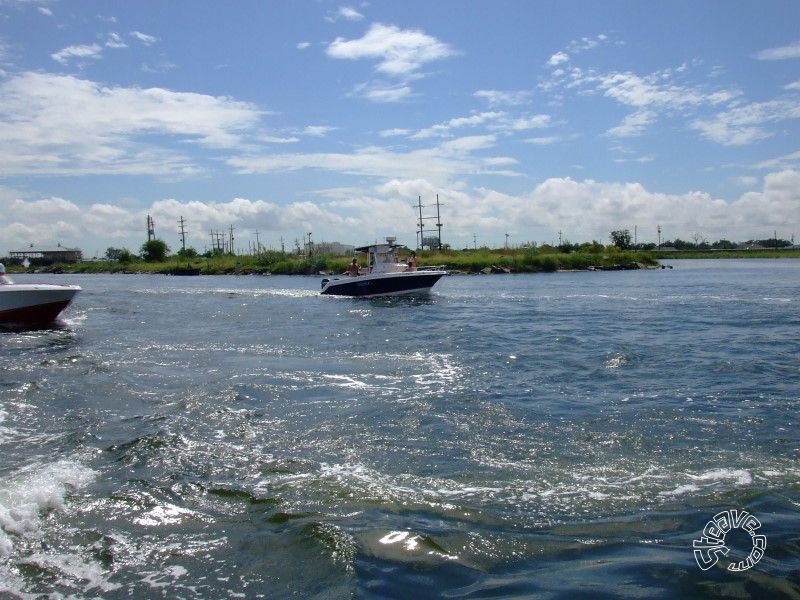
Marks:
<point>562,435</point>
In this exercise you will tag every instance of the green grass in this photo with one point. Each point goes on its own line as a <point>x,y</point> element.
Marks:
<point>518,261</point>
<point>529,260</point>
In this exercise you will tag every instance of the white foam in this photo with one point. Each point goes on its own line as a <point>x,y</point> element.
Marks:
<point>741,476</point>
<point>168,514</point>
<point>28,493</point>
<point>74,568</point>
<point>680,490</point>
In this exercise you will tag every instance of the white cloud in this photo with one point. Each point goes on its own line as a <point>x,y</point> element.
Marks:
<point>318,130</point>
<point>303,45</point>
<point>544,140</point>
<point>445,129</point>
<point>163,66</point>
<point>632,90</point>
<point>439,164</point>
<point>147,40</point>
<point>632,125</point>
<point>532,122</point>
<point>588,209</point>
<point>43,10</point>
<point>782,53</point>
<point>655,96</point>
<point>502,98</point>
<point>745,181</point>
<point>781,163</point>
<point>583,210</point>
<point>558,58</point>
<point>115,41</point>
<point>496,121</point>
<point>382,93</point>
<point>639,159</point>
<point>396,132</point>
<point>50,221</point>
<point>744,124</point>
<point>56,125</point>
<point>246,216</point>
<point>271,139</point>
<point>63,56</point>
<point>348,13</point>
<point>775,207</point>
<point>586,43</point>
<point>399,52</point>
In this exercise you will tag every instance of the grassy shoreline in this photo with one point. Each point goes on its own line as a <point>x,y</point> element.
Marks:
<point>275,263</point>
<point>477,261</point>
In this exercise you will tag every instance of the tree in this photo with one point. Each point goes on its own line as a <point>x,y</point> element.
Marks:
<point>154,251</point>
<point>122,255</point>
<point>621,238</point>
<point>113,253</point>
<point>594,247</point>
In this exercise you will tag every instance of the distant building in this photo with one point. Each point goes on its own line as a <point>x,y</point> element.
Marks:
<point>333,248</point>
<point>48,257</point>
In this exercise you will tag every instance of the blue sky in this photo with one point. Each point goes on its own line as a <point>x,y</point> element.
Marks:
<point>533,121</point>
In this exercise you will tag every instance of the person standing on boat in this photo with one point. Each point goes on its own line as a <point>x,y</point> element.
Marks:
<point>352,268</point>
<point>4,279</point>
<point>412,262</point>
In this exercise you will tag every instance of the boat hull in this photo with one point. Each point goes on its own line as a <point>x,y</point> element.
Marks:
<point>388,284</point>
<point>31,304</point>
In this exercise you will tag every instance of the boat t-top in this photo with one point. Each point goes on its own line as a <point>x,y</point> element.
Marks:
<point>385,275</point>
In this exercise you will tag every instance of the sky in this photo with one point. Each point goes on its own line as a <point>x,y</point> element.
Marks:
<point>530,121</point>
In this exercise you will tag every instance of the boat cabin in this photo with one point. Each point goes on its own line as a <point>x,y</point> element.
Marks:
<point>384,258</point>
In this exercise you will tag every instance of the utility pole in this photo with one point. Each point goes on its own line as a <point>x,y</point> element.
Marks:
<point>421,239</point>
<point>217,241</point>
<point>439,222</point>
<point>658,228</point>
<point>181,222</point>
<point>421,231</point>
<point>151,229</point>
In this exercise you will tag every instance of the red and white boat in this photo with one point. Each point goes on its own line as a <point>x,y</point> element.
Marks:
<point>32,303</point>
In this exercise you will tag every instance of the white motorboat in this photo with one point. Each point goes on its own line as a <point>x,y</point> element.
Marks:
<point>385,275</point>
<point>32,303</point>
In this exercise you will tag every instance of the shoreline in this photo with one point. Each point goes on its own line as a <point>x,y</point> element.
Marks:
<point>472,263</point>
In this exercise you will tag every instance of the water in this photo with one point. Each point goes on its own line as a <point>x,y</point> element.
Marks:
<point>548,436</point>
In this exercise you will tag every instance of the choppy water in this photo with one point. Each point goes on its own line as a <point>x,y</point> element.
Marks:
<point>548,436</point>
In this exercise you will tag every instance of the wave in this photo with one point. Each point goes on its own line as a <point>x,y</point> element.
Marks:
<point>32,492</point>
